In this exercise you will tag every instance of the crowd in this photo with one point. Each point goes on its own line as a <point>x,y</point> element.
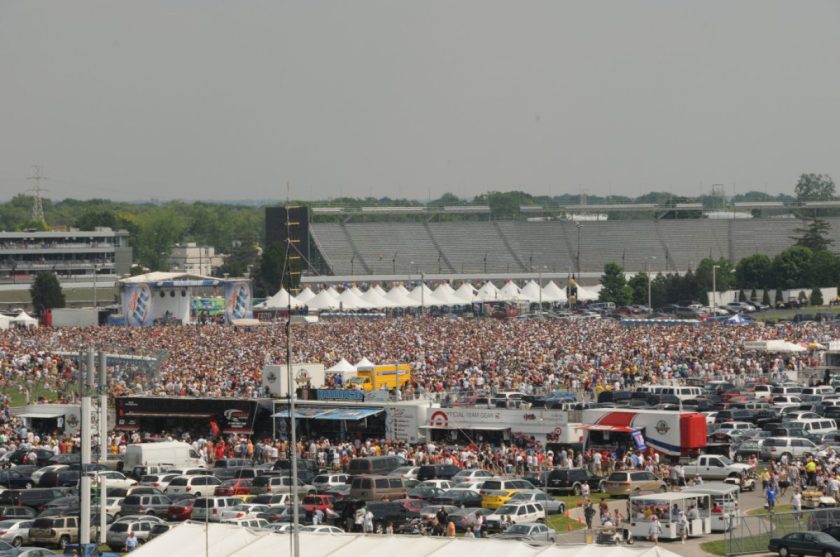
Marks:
<point>447,355</point>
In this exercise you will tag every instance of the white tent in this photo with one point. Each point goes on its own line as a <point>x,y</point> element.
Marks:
<point>4,322</point>
<point>322,301</point>
<point>531,291</point>
<point>305,295</point>
<point>510,292</point>
<point>229,540</point>
<point>332,292</point>
<point>400,298</point>
<point>587,294</point>
<point>279,301</point>
<point>466,292</point>
<point>488,293</point>
<point>23,319</point>
<point>446,294</point>
<point>364,363</point>
<point>424,295</point>
<point>379,290</point>
<point>376,300</point>
<point>343,366</point>
<point>553,292</point>
<point>356,290</point>
<point>350,300</point>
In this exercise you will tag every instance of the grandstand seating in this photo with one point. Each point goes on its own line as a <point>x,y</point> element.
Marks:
<point>514,246</point>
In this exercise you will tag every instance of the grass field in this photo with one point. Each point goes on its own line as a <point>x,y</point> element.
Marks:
<point>757,533</point>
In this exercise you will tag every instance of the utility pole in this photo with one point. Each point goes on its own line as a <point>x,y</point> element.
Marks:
<point>37,203</point>
<point>714,289</point>
<point>103,442</point>
<point>85,430</point>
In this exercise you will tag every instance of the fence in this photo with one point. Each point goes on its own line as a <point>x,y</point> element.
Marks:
<point>751,534</point>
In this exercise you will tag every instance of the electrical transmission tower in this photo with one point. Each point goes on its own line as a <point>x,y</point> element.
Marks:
<point>37,203</point>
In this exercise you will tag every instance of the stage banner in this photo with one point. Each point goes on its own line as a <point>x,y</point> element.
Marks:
<point>137,305</point>
<point>238,301</point>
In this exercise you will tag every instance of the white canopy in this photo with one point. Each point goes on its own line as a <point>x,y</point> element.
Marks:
<point>587,294</point>
<point>229,540</point>
<point>305,295</point>
<point>24,319</point>
<point>531,291</point>
<point>4,322</point>
<point>400,298</point>
<point>446,294</point>
<point>510,292</point>
<point>379,290</point>
<point>356,290</point>
<point>322,301</point>
<point>466,292</point>
<point>424,295</point>
<point>553,292</point>
<point>364,363</point>
<point>279,301</point>
<point>488,293</point>
<point>376,300</point>
<point>343,366</point>
<point>350,300</point>
<point>332,292</point>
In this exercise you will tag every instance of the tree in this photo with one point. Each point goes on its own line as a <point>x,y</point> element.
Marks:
<point>814,236</point>
<point>741,297</point>
<point>814,187</point>
<point>753,295</point>
<point>46,292</point>
<point>614,286</point>
<point>752,271</point>
<point>638,284</point>
<point>765,298</point>
<point>790,268</point>
<point>823,269</point>
<point>816,297</point>
<point>93,218</point>
<point>779,297</point>
<point>269,271</point>
<point>724,276</point>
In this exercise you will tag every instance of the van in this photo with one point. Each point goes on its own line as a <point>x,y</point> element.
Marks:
<point>278,484</point>
<point>375,465</point>
<point>377,488</point>
<point>210,508</point>
<point>682,393</point>
<point>820,426</point>
<point>169,453</point>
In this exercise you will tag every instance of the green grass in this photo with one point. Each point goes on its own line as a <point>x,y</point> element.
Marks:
<point>761,511</point>
<point>561,524</point>
<point>782,524</point>
<point>18,397</point>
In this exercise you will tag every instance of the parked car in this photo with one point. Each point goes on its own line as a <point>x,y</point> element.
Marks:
<point>549,503</point>
<point>118,533</point>
<point>517,512</point>
<point>234,487</point>
<point>633,483</point>
<point>528,532</point>
<point>156,505</point>
<point>804,543</point>
<point>324,482</point>
<point>570,481</point>
<point>196,484</point>
<point>15,532</point>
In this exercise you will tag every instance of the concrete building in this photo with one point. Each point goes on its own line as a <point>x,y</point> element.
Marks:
<point>194,259</point>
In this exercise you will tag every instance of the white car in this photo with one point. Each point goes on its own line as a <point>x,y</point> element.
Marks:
<point>113,479</point>
<point>255,523</point>
<point>112,505</point>
<point>407,472</point>
<point>245,510</point>
<point>198,485</point>
<point>15,532</point>
<point>325,482</point>
<point>159,481</point>
<point>321,529</point>
<point>786,401</point>
<point>710,417</point>
<point>472,477</point>
<point>440,484</point>
<point>518,512</point>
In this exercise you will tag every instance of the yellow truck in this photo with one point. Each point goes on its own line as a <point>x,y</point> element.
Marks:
<point>387,376</point>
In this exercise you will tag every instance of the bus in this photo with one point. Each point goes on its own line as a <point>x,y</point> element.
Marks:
<point>696,506</point>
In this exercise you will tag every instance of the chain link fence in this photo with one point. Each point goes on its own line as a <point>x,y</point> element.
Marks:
<point>752,533</point>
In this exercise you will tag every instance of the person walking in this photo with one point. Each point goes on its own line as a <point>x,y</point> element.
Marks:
<point>655,530</point>
<point>130,543</point>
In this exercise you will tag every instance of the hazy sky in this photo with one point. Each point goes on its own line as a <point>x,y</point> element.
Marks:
<point>225,99</point>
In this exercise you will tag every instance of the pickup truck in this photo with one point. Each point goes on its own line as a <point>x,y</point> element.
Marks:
<point>715,467</point>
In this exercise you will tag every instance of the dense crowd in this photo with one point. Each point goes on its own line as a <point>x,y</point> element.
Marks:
<point>447,354</point>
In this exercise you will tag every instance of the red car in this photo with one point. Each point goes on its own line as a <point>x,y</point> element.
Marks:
<point>314,502</point>
<point>180,509</point>
<point>239,486</point>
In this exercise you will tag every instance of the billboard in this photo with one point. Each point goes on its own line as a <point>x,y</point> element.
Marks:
<point>238,300</point>
<point>137,305</point>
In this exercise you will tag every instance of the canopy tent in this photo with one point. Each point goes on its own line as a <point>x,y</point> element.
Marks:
<point>510,292</point>
<point>332,292</point>
<point>279,301</point>
<point>229,540</point>
<point>587,294</point>
<point>323,300</point>
<point>379,290</point>
<point>4,322</point>
<point>447,295</point>
<point>23,319</point>
<point>554,293</point>
<point>488,293</point>
<point>343,366</point>
<point>531,292</point>
<point>356,291</point>
<point>305,295</point>
<point>350,301</point>
<point>364,363</point>
<point>376,300</point>
<point>425,296</point>
<point>466,292</point>
<point>400,298</point>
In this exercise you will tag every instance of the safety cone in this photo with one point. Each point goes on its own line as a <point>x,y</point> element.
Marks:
<point>569,526</point>
<point>580,520</point>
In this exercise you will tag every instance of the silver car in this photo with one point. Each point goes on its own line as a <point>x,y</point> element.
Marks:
<point>16,531</point>
<point>118,533</point>
<point>528,532</point>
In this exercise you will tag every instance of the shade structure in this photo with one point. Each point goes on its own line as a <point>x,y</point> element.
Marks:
<point>531,292</point>
<point>553,292</point>
<point>23,319</point>
<point>510,292</point>
<point>424,295</point>
<point>588,293</point>
<point>488,293</point>
<point>379,290</point>
<point>466,292</point>
<point>352,301</point>
<point>229,540</point>
<point>447,295</point>
<point>342,366</point>
<point>400,298</point>
<point>323,301</point>
<point>376,300</point>
<point>364,363</point>
<point>305,295</point>
<point>279,301</point>
<point>4,322</point>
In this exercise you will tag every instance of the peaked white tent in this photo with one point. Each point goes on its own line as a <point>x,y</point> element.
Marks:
<point>401,299</point>
<point>322,301</point>
<point>305,295</point>
<point>356,291</point>
<point>466,292</point>
<point>376,300</point>
<point>215,539</point>
<point>23,319</point>
<point>379,290</point>
<point>4,322</point>
<point>279,301</point>
<point>350,300</point>
<point>510,291</point>
<point>364,363</point>
<point>425,296</point>
<point>446,294</point>
<point>488,292</point>
<point>588,294</point>
<point>342,366</point>
<point>553,292</point>
<point>531,292</point>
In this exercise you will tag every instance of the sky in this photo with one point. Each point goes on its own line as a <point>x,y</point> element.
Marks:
<point>221,100</point>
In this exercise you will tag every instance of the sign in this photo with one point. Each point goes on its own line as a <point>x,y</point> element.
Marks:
<point>237,300</point>
<point>275,379</point>
<point>338,394</point>
<point>639,440</point>
<point>137,305</point>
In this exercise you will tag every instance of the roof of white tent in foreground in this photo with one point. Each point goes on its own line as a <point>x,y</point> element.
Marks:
<point>227,540</point>
<point>305,295</point>
<point>279,301</point>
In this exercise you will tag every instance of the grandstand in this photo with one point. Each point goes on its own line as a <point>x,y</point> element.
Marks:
<point>486,246</point>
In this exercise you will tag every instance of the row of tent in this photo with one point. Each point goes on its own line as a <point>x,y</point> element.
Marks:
<point>23,319</point>
<point>399,296</point>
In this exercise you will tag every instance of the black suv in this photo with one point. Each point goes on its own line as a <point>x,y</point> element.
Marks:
<point>396,512</point>
<point>571,480</point>
<point>437,472</point>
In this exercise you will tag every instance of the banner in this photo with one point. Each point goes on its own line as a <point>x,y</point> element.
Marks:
<point>238,300</point>
<point>137,305</point>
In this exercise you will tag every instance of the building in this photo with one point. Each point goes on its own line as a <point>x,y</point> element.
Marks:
<point>73,255</point>
<point>194,259</point>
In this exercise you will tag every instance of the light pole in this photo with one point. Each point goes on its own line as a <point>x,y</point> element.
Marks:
<point>422,293</point>
<point>714,289</point>
<point>353,265</point>
<point>485,262</point>
<point>394,263</point>
<point>579,226</point>
<point>647,272</point>
<point>95,271</point>
<point>540,273</point>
